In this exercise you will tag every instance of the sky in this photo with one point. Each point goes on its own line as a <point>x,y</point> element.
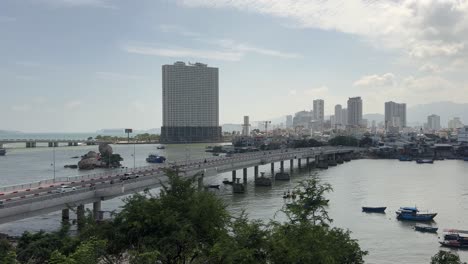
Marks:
<point>84,65</point>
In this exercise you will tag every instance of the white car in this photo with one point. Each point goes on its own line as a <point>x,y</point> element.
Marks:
<point>66,188</point>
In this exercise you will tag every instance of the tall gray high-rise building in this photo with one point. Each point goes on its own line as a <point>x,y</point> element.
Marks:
<point>338,115</point>
<point>344,116</point>
<point>319,110</point>
<point>395,115</point>
<point>190,103</point>
<point>355,111</point>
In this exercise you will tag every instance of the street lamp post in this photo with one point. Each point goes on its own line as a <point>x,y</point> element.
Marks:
<point>53,154</point>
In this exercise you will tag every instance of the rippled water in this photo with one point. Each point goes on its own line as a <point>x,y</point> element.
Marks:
<point>441,187</point>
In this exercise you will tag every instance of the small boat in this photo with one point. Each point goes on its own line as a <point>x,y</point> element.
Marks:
<point>213,186</point>
<point>2,152</point>
<point>424,161</point>
<point>428,229</point>
<point>405,158</point>
<point>161,147</point>
<point>373,209</point>
<point>282,176</point>
<point>455,238</point>
<point>226,181</point>
<point>153,158</point>
<point>413,214</point>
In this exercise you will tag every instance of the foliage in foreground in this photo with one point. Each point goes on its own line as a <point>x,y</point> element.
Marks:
<point>446,257</point>
<point>183,225</point>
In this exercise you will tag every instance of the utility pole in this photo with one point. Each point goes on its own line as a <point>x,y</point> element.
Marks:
<point>53,154</point>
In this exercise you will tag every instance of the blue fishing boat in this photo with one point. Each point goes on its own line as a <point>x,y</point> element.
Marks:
<point>428,229</point>
<point>373,209</point>
<point>405,158</point>
<point>424,161</point>
<point>413,214</point>
<point>153,158</point>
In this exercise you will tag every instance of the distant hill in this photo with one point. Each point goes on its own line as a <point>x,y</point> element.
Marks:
<point>446,111</point>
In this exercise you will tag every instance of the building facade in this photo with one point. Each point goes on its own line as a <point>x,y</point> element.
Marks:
<point>455,123</point>
<point>433,122</point>
<point>463,134</point>
<point>395,115</point>
<point>354,111</point>
<point>338,114</point>
<point>190,103</point>
<point>319,110</point>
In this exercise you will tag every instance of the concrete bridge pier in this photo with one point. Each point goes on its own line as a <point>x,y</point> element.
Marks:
<point>65,215</point>
<point>75,144</point>
<point>233,176</point>
<point>291,165</point>
<point>282,166</point>
<point>245,175</point>
<point>80,215</point>
<point>96,210</point>
<point>56,144</point>
<point>256,172</point>
<point>70,144</point>
<point>299,163</point>
<point>51,144</point>
<point>307,161</point>
<point>272,168</point>
<point>30,144</point>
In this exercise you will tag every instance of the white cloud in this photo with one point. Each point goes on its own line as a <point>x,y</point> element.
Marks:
<point>375,80</point>
<point>81,3</point>
<point>184,53</point>
<point>72,105</point>
<point>430,68</point>
<point>245,48</point>
<point>113,76</point>
<point>429,28</point>
<point>21,108</point>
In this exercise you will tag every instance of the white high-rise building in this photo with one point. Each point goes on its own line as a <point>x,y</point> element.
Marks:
<point>190,103</point>
<point>395,115</point>
<point>338,114</point>
<point>433,122</point>
<point>246,127</point>
<point>355,111</point>
<point>319,110</point>
<point>289,121</point>
<point>455,123</point>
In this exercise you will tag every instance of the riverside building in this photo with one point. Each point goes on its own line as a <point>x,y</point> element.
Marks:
<point>190,95</point>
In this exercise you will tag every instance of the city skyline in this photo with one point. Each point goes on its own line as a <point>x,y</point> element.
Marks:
<point>69,65</point>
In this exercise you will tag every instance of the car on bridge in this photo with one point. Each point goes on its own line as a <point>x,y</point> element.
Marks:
<point>129,176</point>
<point>66,188</point>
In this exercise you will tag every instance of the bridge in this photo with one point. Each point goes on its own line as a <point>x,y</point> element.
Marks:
<point>38,198</point>
<point>32,143</point>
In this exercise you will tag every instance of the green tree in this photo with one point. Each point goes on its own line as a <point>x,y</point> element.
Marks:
<point>89,252</point>
<point>7,252</point>
<point>446,257</point>
<point>343,141</point>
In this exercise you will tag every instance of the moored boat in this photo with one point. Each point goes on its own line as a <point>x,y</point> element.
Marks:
<point>405,158</point>
<point>368,209</point>
<point>424,161</point>
<point>161,147</point>
<point>213,186</point>
<point>413,214</point>
<point>455,238</point>
<point>153,158</point>
<point>2,152</point>
<point>226,181</point>
<point>428,229</point>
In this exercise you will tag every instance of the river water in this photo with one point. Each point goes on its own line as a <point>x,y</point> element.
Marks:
<point>440,187</point>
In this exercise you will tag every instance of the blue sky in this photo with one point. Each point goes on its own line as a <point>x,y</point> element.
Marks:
<point>82,65</point>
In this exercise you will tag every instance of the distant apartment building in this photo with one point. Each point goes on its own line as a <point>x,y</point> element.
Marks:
<point>455,123</point>
<point>246,127</point>
<point>433,122</point>
<point>338,115</point>
<point>319,110</point>
<point>302,119</point>
<point>395,116</point>
<point>344,116</point>
<point>289,121</point>
<point>190,103</point>
<point>463,134</point>
<point>354,112</point>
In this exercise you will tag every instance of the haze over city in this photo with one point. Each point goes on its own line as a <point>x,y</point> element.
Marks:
<point>69,65</point>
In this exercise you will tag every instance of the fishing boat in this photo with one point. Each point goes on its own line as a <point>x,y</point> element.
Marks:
<point>213,186</point>
<point>154,158</point>
<point>373,209</point>
<point>2,152</point>
<point>455,238</point>
<point>161,147</point>
<point>226,181</point>
<point>413,214</point>
<point>426,229</point>
<point>424,161</point>
<point>405,158</point>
